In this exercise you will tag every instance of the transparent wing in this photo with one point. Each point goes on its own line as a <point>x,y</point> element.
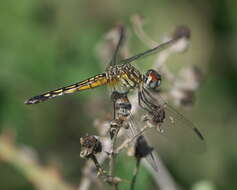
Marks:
<point>186,134</point>
<point>179,33</point>
<point>178,129</point>
<point>133,133</point>
<point>113,62</point>
<point>151,51</point>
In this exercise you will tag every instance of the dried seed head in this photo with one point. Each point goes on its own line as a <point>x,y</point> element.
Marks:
<point>185,86</point>
<point>142,149</point>
<point>183,97</point>
<point>90,146</point>
<point>113,180</point>
<point>182,32</point>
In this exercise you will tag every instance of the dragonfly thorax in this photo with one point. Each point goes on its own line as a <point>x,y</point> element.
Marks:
<point>126,74</point>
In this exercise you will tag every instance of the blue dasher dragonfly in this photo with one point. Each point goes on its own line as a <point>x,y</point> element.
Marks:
<point>121,74</point>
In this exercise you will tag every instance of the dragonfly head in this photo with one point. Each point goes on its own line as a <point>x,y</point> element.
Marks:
<point>152,79</point>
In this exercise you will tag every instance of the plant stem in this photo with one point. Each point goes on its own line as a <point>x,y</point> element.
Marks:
<point>135,174</point>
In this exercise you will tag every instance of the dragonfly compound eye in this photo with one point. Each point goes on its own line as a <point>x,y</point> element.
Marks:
<point>152,79</point>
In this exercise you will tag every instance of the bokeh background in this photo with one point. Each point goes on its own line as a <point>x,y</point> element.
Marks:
<point>48,44</point>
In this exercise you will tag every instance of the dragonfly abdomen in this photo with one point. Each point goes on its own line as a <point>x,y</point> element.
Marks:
<point>92,82</point>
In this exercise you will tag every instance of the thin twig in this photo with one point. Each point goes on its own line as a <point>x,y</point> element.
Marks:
<point>136,171</point>
<point>162,178</point>
<point>112,155</point>
<point>23,159</point>
<point>138,23</point>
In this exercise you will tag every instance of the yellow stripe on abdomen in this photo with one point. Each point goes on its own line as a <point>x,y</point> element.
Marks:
<point>93,82</point>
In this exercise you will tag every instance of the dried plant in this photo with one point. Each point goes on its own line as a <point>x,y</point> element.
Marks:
<point>124,131</point>
<point>123,125</point>
<point>25,160</point>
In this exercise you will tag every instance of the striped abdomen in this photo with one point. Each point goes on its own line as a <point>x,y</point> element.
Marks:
<point>92,82</point>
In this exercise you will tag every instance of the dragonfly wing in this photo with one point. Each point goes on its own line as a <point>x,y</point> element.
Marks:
<point>178,128</point>
<point>113,62</point>
<point>180,32</point>
<point>133,133</point>
<point>93,82</point>
<point>175,127</point>
<point>148,52</point>
<point>176,117</point>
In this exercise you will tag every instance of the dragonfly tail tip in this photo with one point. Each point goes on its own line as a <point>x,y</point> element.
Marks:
<point>30,101</point>
<point>27,102</point>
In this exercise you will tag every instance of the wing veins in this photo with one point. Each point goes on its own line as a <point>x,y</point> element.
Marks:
<point>148,52</point>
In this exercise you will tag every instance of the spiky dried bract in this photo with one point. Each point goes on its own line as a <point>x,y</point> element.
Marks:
<point>90,146</point>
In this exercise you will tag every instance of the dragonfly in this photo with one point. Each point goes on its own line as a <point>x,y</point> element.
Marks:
<point>123,74</point>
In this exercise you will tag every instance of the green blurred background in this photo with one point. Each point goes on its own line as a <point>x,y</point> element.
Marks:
<point>48,44</point>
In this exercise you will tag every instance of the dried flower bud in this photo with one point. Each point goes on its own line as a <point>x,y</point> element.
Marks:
<point>182,32</point>
<point>188,98</point>
<point>183,97</point>
<point>142,149</point>
<point>90,146</point>
<point>183,91</point>
<point>113,180</point>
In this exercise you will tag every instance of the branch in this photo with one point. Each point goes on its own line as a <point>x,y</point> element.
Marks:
<point>43,178</point>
